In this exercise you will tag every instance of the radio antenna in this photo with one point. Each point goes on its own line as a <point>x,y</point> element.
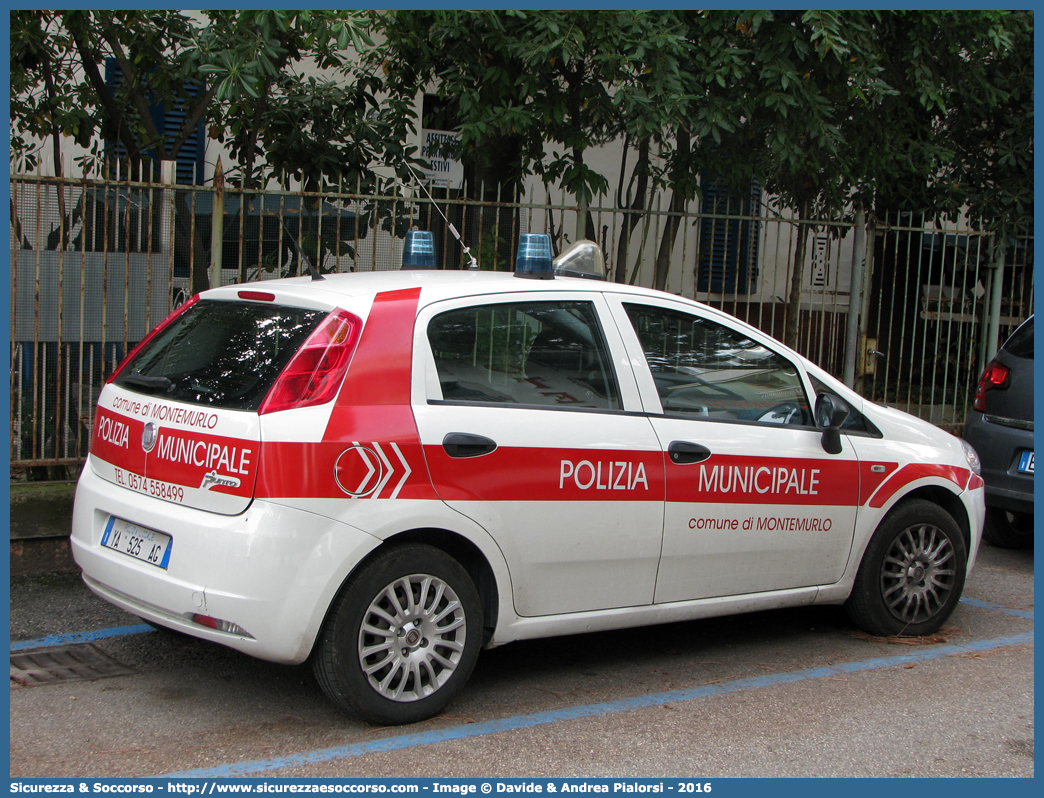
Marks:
<point>472,263</point>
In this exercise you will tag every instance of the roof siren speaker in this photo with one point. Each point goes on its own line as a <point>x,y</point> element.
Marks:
<point>583,259</point>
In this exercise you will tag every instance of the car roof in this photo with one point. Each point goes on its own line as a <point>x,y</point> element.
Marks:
<point>437,285</point>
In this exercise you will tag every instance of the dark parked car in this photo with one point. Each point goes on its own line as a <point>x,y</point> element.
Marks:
<point>1000,427</point>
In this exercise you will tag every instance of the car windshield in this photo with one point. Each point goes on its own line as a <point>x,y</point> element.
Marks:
<point>220,354</point>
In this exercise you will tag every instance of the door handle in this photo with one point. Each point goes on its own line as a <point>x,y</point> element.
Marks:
<point>685,453</point>
<point>462,444</point>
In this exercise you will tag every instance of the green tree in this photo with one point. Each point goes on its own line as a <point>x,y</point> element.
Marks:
<point>225,69</point>
<point>920,111</point>
<point>251,61</point>
<point>808,75</point>
<point>533,92</point>
<point>927,111</point>
<point>989,120</point>
<point>238,71</point>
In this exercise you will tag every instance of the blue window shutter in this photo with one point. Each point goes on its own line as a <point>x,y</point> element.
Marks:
<point>190,156</point>
<point>727,259</point>
<point>113,78</point>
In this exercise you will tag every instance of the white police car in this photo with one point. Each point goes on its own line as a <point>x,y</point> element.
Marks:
<point>388,471</point>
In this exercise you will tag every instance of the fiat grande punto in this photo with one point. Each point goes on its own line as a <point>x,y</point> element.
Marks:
<point>384,473</point>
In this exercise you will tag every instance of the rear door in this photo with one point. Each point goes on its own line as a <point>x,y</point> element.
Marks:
<point>532,427</point>
<point>753,502</point>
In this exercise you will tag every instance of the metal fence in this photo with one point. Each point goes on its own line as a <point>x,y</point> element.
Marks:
<point>937,301</point>
<point>95,264</point>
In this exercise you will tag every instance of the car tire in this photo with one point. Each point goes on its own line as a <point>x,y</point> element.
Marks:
<point>1008,530</point>
<point>402,637</point>
<point>912,573</point>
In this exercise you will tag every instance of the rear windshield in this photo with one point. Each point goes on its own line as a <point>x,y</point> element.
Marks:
<point>1021,342</point>
<point>220,354</point>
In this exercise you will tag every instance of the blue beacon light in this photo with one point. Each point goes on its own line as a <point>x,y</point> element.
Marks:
<point>418,251</point>
<point>533,260</point>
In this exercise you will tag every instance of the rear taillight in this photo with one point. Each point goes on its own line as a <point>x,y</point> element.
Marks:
<point>174,314</point>
<point>315,373</point>
<point>995,376</point>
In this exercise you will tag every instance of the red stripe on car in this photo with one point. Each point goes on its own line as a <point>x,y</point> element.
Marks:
<point>913,472</point>
<point>371,448</point>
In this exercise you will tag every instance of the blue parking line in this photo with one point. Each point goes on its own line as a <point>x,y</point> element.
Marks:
<point>80,637</point>
<point>985,605</point>
<point>403,741</point>
<point>541,718</point>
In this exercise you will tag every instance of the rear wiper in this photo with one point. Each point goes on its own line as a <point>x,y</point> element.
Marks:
<point>148,383</point>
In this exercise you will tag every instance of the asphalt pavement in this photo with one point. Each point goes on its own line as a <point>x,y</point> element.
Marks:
<point>788,693</point>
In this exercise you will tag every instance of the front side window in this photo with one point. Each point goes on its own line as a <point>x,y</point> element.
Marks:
<point>703,369</point>
<point>548,354</point>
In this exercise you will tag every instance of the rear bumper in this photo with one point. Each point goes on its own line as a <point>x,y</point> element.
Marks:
<point>999,448</point>
<point>1010,500</point>
<point>272,570</point>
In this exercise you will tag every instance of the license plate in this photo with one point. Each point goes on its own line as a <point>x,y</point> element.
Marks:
<point>138,542</point>
<point>1026,463</point>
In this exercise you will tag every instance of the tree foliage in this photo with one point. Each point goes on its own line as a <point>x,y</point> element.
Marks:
<point>829,109</point>
<point>242,72</point>
<point>922,111</point>
<point>282,90</point>
<point>534,92</point>
<point>554,83</point>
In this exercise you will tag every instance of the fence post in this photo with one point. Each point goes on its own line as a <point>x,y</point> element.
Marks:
<point>993,339</point>
<point>864,307</point>
<point>855,298</point>
<point>217,227</point>
<point>168,177</point>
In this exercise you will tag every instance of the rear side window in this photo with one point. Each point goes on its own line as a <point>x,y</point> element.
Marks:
<point>1021,342</point>
<point>220,354</point>
<point>549,354</point>
<point>705,370</point>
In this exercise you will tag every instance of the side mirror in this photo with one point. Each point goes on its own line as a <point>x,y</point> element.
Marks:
<point>831,413</point>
